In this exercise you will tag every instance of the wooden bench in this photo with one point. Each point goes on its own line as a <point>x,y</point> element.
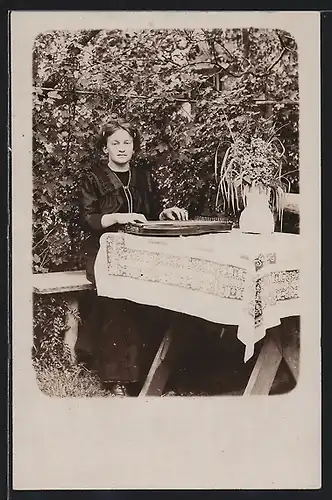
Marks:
<point>73,282</point>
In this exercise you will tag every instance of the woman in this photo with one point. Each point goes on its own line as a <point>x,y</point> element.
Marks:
<point>112,341</point>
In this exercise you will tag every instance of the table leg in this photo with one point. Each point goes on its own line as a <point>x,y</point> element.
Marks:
<point>72,322</point>
<point>280,343</point>
<point>160,368</point>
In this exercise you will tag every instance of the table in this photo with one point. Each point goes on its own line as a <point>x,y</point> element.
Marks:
<point>228,278</point>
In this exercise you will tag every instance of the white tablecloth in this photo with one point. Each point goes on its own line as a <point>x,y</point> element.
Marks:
<point>229,278</point>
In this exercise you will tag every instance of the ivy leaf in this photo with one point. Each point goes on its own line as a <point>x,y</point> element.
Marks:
<point>36,258</point>
<point>66,182</point>
<point>161,147</point>
<point>54,95</point>
<point>49,147</point>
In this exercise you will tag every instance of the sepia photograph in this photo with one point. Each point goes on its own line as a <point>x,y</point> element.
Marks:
<point>165,212</point>
<point>166,235</point>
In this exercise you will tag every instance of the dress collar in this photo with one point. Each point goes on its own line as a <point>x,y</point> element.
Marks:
<point>109,180</point>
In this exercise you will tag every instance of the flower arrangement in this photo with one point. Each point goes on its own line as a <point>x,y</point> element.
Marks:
<point>248,163</point>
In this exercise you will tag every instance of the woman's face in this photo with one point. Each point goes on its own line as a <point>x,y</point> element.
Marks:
<point>120,147</point>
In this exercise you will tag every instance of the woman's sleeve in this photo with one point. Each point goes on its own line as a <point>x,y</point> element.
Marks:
<point>89,205</point>
<point>154,198</point>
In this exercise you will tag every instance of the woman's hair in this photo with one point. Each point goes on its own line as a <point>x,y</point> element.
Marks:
<point>115,124</point>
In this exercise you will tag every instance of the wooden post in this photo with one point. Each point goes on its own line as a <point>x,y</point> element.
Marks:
<point>72,325</point>
<point>265,369</point>
<point>280,343</point>
<point>160,368</point>
<point>70,283</point>
<point>246,42</point>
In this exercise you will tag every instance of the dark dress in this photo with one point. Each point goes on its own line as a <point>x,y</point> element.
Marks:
<point>118,338</point>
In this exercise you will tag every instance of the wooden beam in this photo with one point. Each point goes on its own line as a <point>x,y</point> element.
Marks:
<point>265,369</point>
<point>160,369</point>
<point>258,102</point>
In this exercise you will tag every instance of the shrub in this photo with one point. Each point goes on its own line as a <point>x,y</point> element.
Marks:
<point>67,381</point>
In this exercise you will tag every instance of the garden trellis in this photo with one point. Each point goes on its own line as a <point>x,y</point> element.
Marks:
<point>258,102</point>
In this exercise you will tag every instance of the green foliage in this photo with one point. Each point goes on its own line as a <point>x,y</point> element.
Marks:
<point>178,86</point>
<point>49,329</point>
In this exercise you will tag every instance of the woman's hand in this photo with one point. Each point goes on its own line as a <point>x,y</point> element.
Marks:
<point>119,218</point>
<point>174,213</point>
<point>129,217</point>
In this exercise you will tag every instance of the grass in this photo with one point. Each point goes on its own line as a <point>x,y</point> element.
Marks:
<point>77,381</point>
<point>68,381</point>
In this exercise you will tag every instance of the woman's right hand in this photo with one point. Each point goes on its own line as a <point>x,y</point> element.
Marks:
<point>129,217</point>
<point>121,218</point>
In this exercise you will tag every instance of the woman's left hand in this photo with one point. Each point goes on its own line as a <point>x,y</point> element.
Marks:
<point>174,213</point>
